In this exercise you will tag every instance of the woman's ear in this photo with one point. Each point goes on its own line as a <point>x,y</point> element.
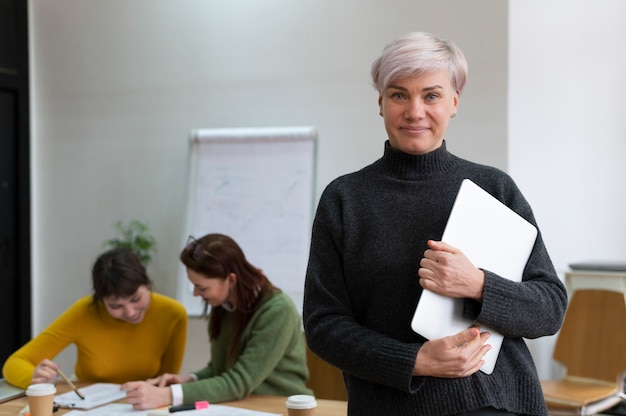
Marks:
<point>232,279</point>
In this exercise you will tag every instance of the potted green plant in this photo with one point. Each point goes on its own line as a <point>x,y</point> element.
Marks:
<point>137,236</point>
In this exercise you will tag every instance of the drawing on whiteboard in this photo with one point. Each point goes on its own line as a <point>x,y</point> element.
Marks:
<point>255,185</point>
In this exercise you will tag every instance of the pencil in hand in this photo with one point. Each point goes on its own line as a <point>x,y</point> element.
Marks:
<point>68,381</point>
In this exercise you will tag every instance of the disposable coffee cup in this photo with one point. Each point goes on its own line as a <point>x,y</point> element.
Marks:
<point>300,405</point>
<point>41,399</point>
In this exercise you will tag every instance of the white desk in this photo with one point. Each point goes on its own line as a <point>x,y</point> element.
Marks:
<point>591,279</point>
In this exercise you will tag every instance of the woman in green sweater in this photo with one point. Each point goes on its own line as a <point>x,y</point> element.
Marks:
<point>257,345</point>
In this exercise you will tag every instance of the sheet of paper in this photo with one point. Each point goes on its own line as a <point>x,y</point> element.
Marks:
<point>95,395</point>
<point>124,409</point>
<point>111,409</point>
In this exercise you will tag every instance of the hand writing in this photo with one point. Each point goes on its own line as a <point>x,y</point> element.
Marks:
<point>45,372</point>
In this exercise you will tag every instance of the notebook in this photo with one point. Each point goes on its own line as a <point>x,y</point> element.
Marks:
<point>9,392</point>
<point>95,395</point>
<point>494,238</point>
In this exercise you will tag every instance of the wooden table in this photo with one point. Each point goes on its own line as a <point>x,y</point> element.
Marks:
<point>276,404</point>
<point>270,404</point>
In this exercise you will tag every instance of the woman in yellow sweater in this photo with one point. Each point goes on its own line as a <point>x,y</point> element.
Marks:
<point>123,331</point>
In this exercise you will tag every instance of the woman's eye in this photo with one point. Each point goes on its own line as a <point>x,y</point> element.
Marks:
<point>432,97</point>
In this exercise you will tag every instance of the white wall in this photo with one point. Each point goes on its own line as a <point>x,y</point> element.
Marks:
<point>567,124</point>
<point>566,128</point>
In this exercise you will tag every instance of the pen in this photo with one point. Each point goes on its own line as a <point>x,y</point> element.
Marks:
<point>67,380</point>
<point>195,406</point>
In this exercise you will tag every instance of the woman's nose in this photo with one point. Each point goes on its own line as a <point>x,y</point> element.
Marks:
<point>414,109</point>
<point>129,310</point>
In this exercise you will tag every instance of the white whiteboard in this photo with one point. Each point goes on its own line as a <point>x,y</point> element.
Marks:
<point>257,186</point>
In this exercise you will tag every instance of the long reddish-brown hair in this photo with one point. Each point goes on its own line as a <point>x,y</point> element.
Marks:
<point>216,256</point>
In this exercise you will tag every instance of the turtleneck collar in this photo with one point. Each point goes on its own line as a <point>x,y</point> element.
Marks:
<point>405,166</point>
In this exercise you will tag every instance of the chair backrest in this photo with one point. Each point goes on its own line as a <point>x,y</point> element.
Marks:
<point>325,380</point>
<point>592,340</point>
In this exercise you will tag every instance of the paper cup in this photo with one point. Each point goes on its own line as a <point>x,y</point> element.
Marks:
<point>41,399</point>
<point>301,405</point>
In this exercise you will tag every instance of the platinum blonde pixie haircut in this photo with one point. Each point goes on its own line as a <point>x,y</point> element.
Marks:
<point>418,53</point>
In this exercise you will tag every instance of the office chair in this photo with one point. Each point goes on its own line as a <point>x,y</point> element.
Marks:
<point>325,380</point>
<point>592,346</point>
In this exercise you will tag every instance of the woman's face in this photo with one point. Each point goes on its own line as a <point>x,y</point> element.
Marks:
<point>131,309</point>
<point>213,290</point>
<point>417,110</point>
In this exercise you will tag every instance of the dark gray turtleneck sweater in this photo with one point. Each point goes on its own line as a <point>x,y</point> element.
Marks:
<point>369,234</point>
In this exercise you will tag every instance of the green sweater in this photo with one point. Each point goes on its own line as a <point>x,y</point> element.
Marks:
<point>271,358</point>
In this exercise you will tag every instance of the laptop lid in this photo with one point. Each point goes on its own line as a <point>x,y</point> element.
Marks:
<point>494,238</point>
<point>9,392</point>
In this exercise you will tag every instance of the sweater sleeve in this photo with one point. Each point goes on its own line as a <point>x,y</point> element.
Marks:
<point>264,343</point>
<point>176,322</point>
<point>19,367</point>
<point>532,308</point>
<point>332,328</point>
<point>206,372</point>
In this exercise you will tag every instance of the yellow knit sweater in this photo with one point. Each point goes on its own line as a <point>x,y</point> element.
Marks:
<point>108,350</point>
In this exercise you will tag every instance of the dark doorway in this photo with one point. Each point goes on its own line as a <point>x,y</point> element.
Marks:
<point>14,178</point>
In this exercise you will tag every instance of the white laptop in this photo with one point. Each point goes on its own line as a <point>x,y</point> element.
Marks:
<point>9,392</point>
<point>494,238</point>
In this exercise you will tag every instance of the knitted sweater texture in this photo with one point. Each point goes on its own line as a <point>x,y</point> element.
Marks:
<point>270,360</point>
<point>108,349</point>
<point>370,232</point>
